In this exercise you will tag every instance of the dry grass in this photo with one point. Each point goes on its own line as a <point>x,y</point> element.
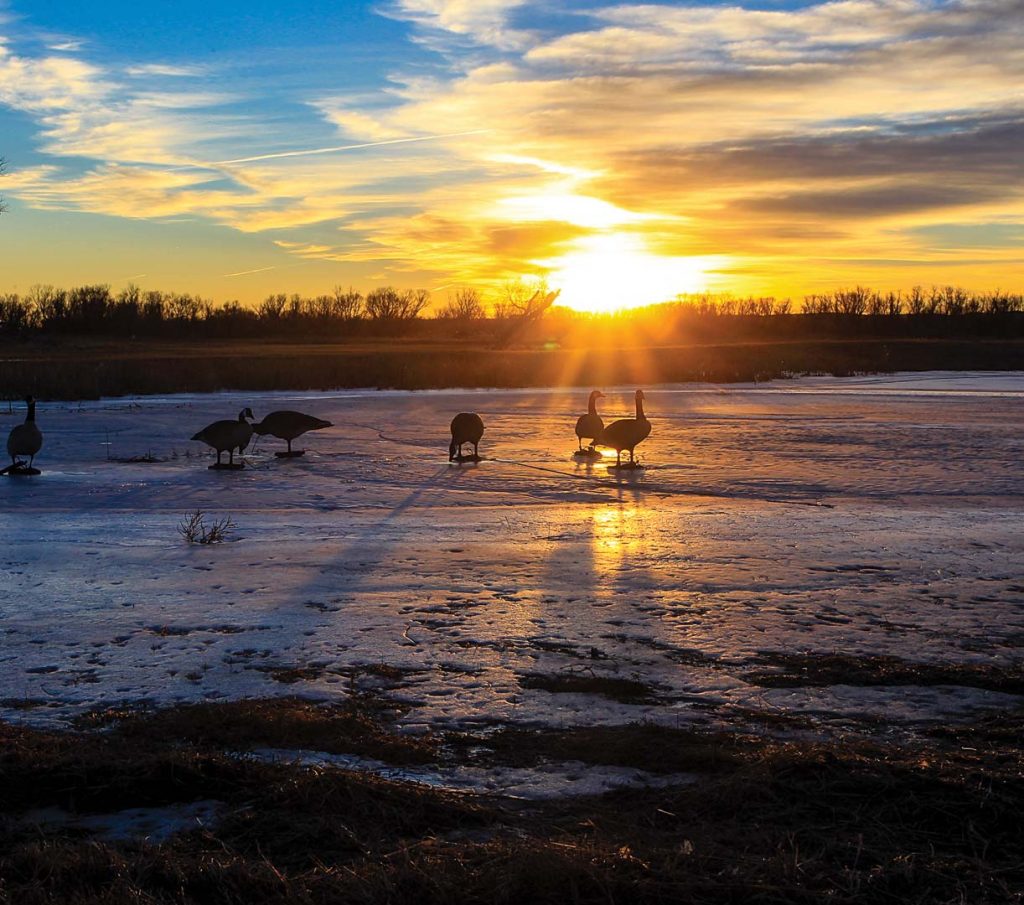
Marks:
<point>69,369</point>
<point>817,670</point>
<point>195,530</point>
<point>768,822</point>
<point>640,746</point>
<point>585,681</point>
<point>360,725</point>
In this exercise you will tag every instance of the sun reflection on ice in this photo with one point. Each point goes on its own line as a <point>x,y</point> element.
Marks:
<point>616,537</point>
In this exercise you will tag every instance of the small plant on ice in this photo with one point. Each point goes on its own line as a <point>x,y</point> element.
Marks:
<point>195,530</point>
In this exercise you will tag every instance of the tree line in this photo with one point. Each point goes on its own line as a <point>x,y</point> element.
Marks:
<point>96,310</point>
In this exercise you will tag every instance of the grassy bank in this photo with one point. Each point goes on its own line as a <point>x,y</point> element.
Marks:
<point>81,369</point>
<point>765,821</point>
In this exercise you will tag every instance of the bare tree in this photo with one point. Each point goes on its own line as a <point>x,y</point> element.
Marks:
<point>3,171</point>
<point>525,300</point>
<point>463,306</point>
<point>347,303</point>
<point>389,304</point>
<point>272,307</point>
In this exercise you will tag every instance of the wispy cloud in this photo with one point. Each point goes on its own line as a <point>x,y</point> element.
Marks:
<point>245,273</point>
<point>167,70</point>
<point>479,21</point>
<point>699,129</point>
<point>702,115</point>
<point>311,152</point>
<point>66,46</point>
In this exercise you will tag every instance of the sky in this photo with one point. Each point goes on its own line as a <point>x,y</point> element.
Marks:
<point>624,152</point>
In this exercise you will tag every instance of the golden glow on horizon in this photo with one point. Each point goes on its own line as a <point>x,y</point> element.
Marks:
<point>616,271</point>
<point>602,153</point>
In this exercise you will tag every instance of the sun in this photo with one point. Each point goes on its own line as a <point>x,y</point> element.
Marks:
<point>614,271</point>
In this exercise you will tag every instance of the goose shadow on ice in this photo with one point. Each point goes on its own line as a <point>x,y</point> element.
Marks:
<point>360,564</point>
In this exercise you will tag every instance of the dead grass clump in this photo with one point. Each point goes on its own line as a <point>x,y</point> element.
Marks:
<point>386,671</point>
<point>317,817</point>
<point>816,670</point>
<point>102,774</point>
<point>146,458</point>
<point>641,746</point>
<point>195,530</point>
<point>289,675</point>
<point>625,691</point>
<point>772,823</point>
<point>993,734</point>
<point>355,726</point>
<point>24,703</point>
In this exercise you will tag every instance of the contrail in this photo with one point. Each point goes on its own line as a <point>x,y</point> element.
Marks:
<point>369,144</point>
<point>242,273</point>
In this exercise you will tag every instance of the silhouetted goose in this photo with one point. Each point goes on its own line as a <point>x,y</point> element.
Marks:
<point>590,425</point>
<point>467,427</point>
<point>627,433</point>
<point>25,439</point>
<point>286,425</point>
<point>228,435</point>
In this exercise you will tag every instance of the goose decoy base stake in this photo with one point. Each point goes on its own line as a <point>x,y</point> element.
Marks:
<point>20,470</point>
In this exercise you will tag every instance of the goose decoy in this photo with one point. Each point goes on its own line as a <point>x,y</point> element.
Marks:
<point>627,434</point>
<point>287,426</point>
<point>590,425</point>
<point>228,435</point>
<point>467,427</point>
<point>24,440</point>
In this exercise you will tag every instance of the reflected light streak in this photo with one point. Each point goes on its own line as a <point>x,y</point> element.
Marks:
<point>615,536</point>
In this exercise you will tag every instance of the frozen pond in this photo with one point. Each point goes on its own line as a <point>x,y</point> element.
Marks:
<point>868,516</point>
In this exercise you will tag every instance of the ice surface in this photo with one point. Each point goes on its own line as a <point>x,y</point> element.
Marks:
<point>151,824</point>
<point>547,781</point>
<point>875,515</point>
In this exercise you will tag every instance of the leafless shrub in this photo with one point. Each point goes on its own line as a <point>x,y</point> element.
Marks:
<point>195,530</point>
<point>524,300</point>
<point>464,305</point>
<point>346,304</point>
<point>389,304</point>
<point>851,301</point>
<point>1002,303</point>
<point>272,307</point>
